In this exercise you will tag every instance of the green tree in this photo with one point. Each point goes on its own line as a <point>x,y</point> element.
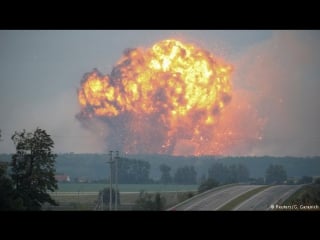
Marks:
<point>207,184</point>
<point>242,173</point>
<point>185,175</point>
<point>237,173</point>
<point>33,168</point>
<point>133,171</point>
<point>219,172</point>
<point>202,179</point>
<point>317,180</point>
<point>228,174</point>
<point>145,202</point>
<point>305,180</point>
<point>182,196</point>
<point>275,174</point>
<point>165,174</point>
<point>159,202</point>
<point>9,200</point>
<point>106,196</point>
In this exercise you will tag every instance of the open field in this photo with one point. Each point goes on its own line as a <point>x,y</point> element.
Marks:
<point>306,198</point>
<point>84,196</point>
<point>87,200</point>
<point>96,187</point>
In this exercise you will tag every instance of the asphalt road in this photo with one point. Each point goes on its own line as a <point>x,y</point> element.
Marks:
<point>263,200</point>
<point>214,199</point>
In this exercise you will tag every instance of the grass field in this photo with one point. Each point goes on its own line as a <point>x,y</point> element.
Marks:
<point>93,187</point>
<point>86,198</point>
<point>306,195</point>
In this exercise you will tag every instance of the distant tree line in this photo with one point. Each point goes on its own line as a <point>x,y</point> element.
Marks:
<point>228,174</point>
<point>305,180</point>
<point>93,166</point>
<point>133,171</point>
<point>275,174</point>
<point>182,175</point>
<point>222,174</point>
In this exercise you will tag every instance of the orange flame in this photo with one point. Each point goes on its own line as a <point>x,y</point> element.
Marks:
<point>171,94</point>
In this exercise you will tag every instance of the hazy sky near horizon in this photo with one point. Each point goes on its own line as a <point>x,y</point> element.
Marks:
<point>42,69</point>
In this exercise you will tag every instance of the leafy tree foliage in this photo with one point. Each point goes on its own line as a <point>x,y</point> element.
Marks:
<point>305,180</point>
<point>33,168</point>
<point>9,200</point>
<point>219,172</point>
<point>133,171</point>
<point>317,180</point>
<point>240,173</point>
<point>228,174</point>
<point>145,202</point>
<point>275,174</point>
<point>106,196</point>
<point>165,174</point>
<point>159,202</point>
<point>185,175</point>
<point>182,196</point>
<point>203,178</point>
<point>207,184</point>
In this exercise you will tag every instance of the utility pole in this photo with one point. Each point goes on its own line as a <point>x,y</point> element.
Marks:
<point>101,201</point>
<point>116,179</point>
<point>113,174</point>
<point>110,182</point>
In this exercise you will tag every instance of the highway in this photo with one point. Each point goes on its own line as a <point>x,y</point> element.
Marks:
<point>263,200</point>
<point>214,199</point>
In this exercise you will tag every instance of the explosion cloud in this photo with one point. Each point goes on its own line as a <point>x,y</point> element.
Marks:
<point>172,98</point>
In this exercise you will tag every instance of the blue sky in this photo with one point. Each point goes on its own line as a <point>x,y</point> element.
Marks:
<point>41,71</point>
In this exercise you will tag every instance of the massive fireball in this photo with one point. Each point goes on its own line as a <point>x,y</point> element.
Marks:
<point>169,99</point>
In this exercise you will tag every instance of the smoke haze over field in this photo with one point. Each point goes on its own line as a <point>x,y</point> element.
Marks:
<point>276,75</point>
<point>282,76</point>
